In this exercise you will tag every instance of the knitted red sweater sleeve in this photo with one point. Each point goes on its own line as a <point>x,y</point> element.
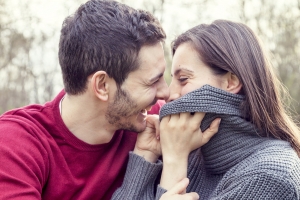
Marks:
<point>23,163</point>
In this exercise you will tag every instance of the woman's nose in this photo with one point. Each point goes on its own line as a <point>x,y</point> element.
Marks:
<point>174,92</point>
<point>163,91</point>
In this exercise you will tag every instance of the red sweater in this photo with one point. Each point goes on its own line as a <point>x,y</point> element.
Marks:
<point>42,159</point>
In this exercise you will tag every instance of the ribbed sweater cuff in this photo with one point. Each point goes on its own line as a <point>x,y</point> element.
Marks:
<point>159,192</point>
<point>139,181</point>
<point>142,167</point>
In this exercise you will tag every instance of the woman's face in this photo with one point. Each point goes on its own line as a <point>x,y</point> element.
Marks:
<point>190,73</point>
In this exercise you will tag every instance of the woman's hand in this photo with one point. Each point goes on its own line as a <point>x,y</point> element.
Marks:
<point>179,135</point>
<point>175,193</point>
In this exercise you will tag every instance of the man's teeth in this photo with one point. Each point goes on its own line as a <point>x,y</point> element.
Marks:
<point>149,108</point>
<point>144,111</point>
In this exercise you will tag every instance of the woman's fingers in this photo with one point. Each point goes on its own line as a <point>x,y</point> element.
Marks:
<point>181,133</point>
<point>180,187</point>
<point>175,193</point>
<point>211,131</point>
<point>197,118</point>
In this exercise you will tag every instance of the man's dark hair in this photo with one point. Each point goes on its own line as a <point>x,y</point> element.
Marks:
<point>104,35</point>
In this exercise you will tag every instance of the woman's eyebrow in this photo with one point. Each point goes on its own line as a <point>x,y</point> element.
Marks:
<point>182,69</point>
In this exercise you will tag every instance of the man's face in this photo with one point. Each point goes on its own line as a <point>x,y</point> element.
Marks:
<point>140,91</point>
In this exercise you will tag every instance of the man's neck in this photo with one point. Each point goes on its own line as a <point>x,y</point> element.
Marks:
<point>86,120</point>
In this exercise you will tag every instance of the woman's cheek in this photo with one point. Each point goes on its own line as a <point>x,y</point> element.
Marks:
<point>186,89</point>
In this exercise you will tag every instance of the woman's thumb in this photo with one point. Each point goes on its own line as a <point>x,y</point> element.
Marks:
<point>180,187</point>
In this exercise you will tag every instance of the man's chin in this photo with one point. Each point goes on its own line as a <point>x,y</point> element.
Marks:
<point>138,127</point>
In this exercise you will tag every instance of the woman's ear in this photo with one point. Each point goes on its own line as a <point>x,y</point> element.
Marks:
<point>100,85</point>
<point>233,85</point>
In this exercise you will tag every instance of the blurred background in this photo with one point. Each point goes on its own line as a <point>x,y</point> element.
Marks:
<point>30,29</point>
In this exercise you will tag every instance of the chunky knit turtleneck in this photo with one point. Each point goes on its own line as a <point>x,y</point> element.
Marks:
<point>220,153</point>
<point>235,164</point>
<point>236,147</point>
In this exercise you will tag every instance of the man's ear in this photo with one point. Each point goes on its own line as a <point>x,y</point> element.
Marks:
<point>100,85</point>
<point>233,84</point>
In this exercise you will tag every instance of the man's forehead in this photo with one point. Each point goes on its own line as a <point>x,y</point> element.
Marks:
<point>152,52</point>
<point>151,64</point>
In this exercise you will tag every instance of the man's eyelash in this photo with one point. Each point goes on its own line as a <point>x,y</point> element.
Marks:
<point>155,82</point>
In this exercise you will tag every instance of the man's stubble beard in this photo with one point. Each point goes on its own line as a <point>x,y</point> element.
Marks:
<point>120,110</point>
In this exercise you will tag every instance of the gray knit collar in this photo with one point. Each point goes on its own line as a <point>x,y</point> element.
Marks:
<point>236,139</point>
<point>206,99</point>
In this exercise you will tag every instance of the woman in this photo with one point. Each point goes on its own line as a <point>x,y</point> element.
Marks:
<point>221,69</point>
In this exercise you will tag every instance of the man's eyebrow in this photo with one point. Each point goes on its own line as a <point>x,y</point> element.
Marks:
<point>156,77</point>
<point>181,69</point>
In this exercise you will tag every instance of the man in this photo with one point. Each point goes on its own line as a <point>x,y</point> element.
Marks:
<point>76,146</point>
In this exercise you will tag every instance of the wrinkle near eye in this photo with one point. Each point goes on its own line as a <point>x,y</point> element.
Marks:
<point>182,76</point>
<point>156,78</point>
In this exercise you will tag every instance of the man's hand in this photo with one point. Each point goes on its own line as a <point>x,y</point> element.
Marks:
<point>148,144</point>
<point>176,192</point>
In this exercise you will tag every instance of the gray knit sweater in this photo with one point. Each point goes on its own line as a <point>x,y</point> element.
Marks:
<point>235,164</point>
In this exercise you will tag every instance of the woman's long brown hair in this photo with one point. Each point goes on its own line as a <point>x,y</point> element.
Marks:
<point>227,46</point>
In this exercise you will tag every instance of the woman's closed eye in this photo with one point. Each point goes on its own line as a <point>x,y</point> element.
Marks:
<point>182,79</point>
